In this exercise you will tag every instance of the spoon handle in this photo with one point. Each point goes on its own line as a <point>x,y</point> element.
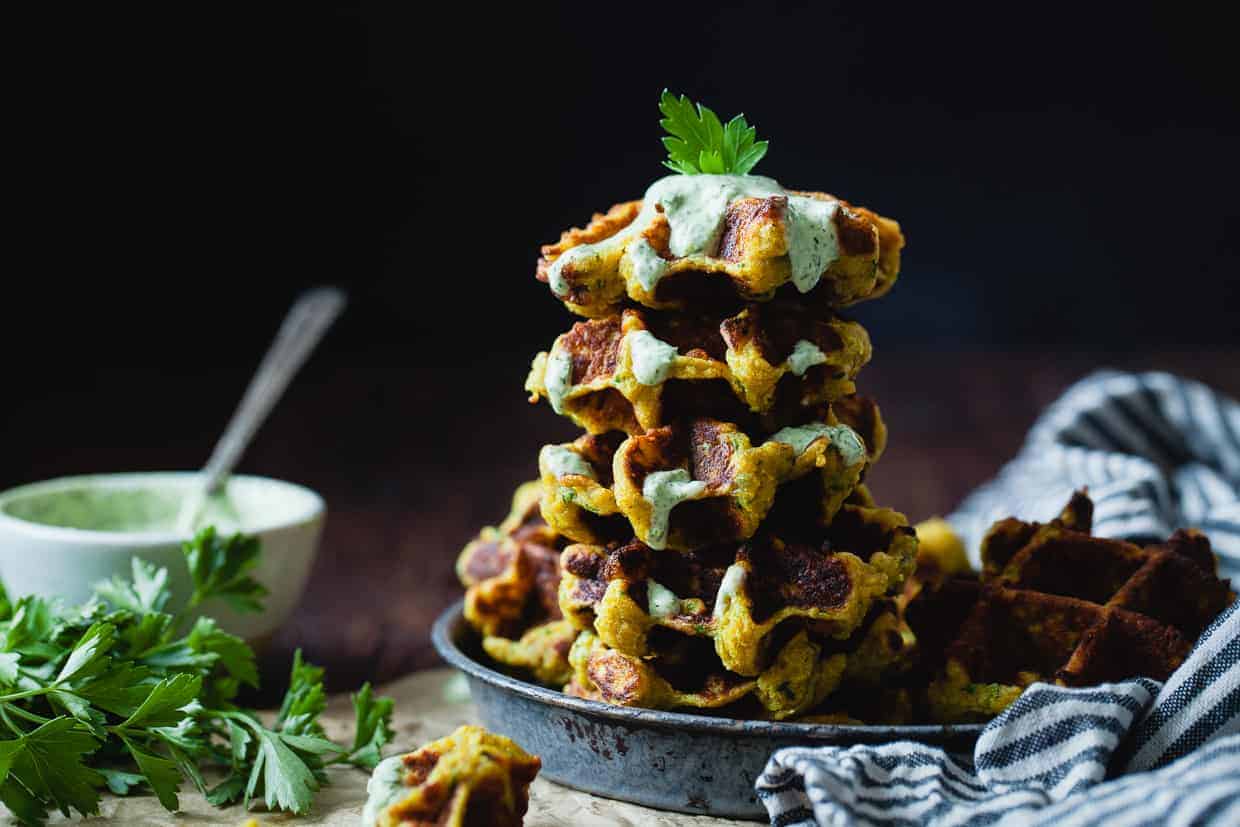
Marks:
<point>304,326</point>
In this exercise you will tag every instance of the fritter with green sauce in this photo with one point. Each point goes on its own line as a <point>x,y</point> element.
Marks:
<point>699,483</point>
<point>639,370</point>
<point>471,777</point>
<point>739,597</point>
<point>801,673</point>
<point>714,240</point>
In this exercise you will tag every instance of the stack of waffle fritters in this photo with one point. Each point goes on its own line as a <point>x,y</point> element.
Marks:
<point>717,545</point>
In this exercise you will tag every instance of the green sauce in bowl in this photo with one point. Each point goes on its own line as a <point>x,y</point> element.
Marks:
<point>150,503</point>
<point>107,508</point>
<point>61,537</point>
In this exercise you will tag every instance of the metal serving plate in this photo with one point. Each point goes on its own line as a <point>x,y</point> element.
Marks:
<point>668,760</point>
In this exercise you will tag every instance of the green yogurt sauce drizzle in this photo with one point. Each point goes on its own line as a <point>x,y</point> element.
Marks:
<point>842,438</point>
<point>562,462</point>
<point>558,378</point>
<point>665,490</point>
<point>804,356</point>
<point>729,588</point>
<point>695,207</point>
<point>661,601</point>
<point>651,357</point>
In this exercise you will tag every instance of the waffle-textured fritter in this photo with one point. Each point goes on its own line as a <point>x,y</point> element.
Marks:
<point>542,651</point>
<point>803,671</point>
<point>739,596</point>
<point>511,572</point>
<point>741,245</point>
<point>470,777</point>
<point>695,484</point>
<point>1055,604</point>
<point>798,678</point>
<point>640,370</point>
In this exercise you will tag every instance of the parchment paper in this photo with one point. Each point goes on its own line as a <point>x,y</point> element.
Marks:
<point>429,705</point>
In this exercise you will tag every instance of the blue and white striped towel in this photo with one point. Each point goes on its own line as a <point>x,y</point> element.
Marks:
<point>1157,453</point>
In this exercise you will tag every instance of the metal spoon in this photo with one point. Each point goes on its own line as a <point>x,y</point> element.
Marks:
<point>304,327</point>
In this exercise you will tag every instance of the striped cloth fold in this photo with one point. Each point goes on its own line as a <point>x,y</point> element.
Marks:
<point>1157,452</point>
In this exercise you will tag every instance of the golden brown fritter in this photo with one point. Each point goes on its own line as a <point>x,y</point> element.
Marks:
<point>511,572</point>
<point>798,678</point>
<point>640,370</point>
<point>542,651</point>
<point>739,596</point>
<point>698,483</point>
<point>633,253</point>
<point>1056,604</point>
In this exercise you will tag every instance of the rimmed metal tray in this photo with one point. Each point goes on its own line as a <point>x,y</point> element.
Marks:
<point>668,760</point>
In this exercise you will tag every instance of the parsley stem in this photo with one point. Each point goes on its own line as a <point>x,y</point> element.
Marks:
<point>4,714</point>
<point>26,714</point>
<point>29,693</point>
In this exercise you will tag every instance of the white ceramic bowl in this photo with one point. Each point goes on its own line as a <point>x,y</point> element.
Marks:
<point>51,560</point>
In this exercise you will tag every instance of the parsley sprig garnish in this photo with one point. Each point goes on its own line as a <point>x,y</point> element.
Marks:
<point>698,142</point>
<point>118,693</point>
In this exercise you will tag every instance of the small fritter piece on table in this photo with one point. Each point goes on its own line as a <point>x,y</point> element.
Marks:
<point>470,777</point>
<point>696,484</point>
<point>639,370</point>
<point>1055,604</point>
<point>703,240</point>
<point>511,573</point>
<point>542,652</point>
<point>739,595</point>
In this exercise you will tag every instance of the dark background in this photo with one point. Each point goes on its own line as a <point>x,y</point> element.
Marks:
<point>1066,178</point>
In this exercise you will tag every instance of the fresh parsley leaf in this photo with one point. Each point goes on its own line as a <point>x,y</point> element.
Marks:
<point>698,142</point>
<point>147,593</point>
<point>49,764</point>
<point>87,656</point>
<point>66,702</point>
<point>145,633</point>
<point>31,624</point>
<point>219,568</point>
<point>120,691</point>
<point>120,782</point>
<point>21,802</point>
<point>8,667</point>
<point>239,741</point>
<point>162,776</point>
<point>164,702</point>
<point>288,784</point>
<point>227,791</point>
<point>186,764</point>
<point>256,776</point>
<point>304,701</point>
<point>372,728</point>
<point>232,653</point>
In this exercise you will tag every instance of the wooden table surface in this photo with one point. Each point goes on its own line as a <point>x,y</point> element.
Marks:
<point>410,476</point>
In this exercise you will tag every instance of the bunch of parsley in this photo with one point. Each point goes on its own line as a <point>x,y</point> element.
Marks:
<point>123,695</point>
